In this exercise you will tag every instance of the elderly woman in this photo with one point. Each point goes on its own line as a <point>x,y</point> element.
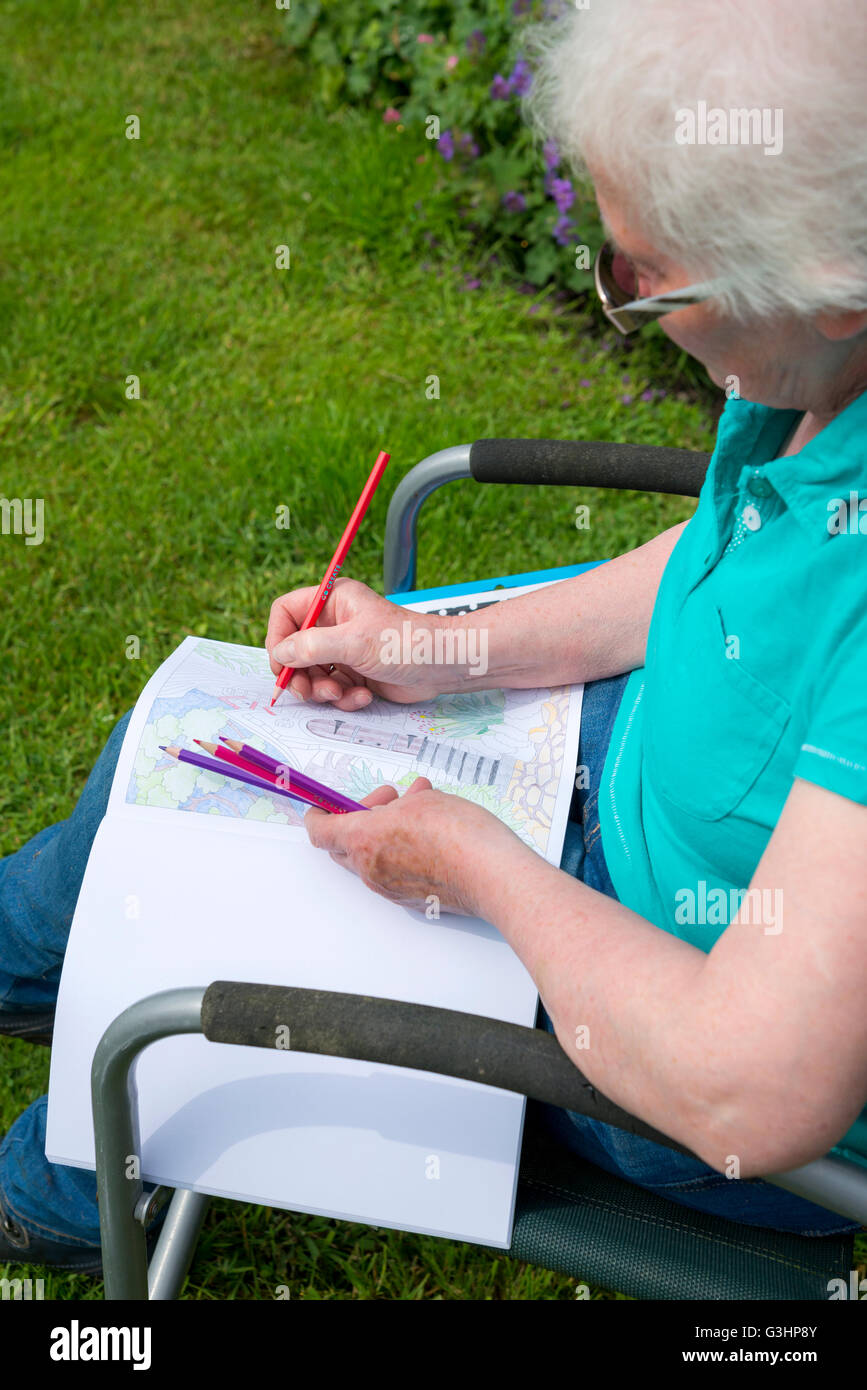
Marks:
<point>724,727</point>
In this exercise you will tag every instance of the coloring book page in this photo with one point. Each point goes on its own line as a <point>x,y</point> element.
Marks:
<point>503,749</point>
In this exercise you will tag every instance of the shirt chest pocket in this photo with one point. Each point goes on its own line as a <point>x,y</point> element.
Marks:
<point>712,726</point>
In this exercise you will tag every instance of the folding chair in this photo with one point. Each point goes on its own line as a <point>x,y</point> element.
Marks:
<point>570,1215</point>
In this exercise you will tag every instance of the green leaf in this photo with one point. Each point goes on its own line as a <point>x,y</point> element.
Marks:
<point>542,261</point>
<point>301,20</point>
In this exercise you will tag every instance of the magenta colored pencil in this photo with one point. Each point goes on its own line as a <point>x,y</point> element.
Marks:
<point>299,779</point>
<point>238,774</point>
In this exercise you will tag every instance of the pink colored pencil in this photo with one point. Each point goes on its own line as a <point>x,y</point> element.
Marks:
<point>263,763</point>
<point>240,774</point>
<point>303,793</point>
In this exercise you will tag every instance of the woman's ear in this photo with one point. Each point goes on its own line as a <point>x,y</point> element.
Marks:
<point>836,325</point>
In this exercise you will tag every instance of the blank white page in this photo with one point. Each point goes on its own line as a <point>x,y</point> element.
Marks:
<point>385,1145</point>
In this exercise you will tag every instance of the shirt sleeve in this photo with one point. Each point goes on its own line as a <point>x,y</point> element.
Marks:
<point>834,751</point>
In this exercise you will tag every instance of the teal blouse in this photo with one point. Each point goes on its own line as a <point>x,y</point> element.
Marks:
<point>755,674</point>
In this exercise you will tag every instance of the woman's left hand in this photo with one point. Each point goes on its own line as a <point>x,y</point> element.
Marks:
<point>422,844</point>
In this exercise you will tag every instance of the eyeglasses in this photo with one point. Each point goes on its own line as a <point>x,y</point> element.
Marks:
<point>617,287</point>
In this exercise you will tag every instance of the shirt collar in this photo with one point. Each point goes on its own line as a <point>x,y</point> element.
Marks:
<point>829,467</point>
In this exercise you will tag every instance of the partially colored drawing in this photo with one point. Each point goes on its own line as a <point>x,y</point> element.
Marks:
<point>500,749</point>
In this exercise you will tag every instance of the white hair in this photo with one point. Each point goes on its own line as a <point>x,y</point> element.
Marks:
<point>789,229</point>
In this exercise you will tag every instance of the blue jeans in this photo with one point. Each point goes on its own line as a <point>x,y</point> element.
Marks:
<point>686,1181</point>
<point>39,887</point>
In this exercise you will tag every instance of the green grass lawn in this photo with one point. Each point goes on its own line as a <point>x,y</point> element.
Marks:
<point>259,388</point>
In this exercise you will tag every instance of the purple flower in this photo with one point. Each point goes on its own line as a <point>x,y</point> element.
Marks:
<point>521,6</point>
<point>500,89</point>
<point>471,283</point>
<point>514,202</point>
<point>648,395</point>
<point>469,146</point>
<point>563,193</point>
<point>626,400</point>
<point>562,231</point>
<point>476,42</point>
<point>550,154</point>
<point>520,79</point>
<point>446,144</point>
<point>585,381</point>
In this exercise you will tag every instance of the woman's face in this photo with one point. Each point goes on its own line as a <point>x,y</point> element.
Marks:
<point>787,363</point>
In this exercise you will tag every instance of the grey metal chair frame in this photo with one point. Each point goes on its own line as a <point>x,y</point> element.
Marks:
<point>526,1060</point>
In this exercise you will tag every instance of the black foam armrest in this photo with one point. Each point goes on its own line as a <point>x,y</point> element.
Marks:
<point>589,463</point>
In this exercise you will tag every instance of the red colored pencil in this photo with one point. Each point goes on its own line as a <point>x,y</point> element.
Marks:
<point>233,759</point>
<point>336,563</point>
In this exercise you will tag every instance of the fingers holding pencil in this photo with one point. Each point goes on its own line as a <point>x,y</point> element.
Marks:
<point>336,563</point>
<point>352,634</point>
<point>331,678</point>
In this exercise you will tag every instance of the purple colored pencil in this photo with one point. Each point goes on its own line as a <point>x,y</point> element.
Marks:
<point>299,779</point>
<point>238,774</point>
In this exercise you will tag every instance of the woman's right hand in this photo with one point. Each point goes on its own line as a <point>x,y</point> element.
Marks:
<point>352,633</point>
